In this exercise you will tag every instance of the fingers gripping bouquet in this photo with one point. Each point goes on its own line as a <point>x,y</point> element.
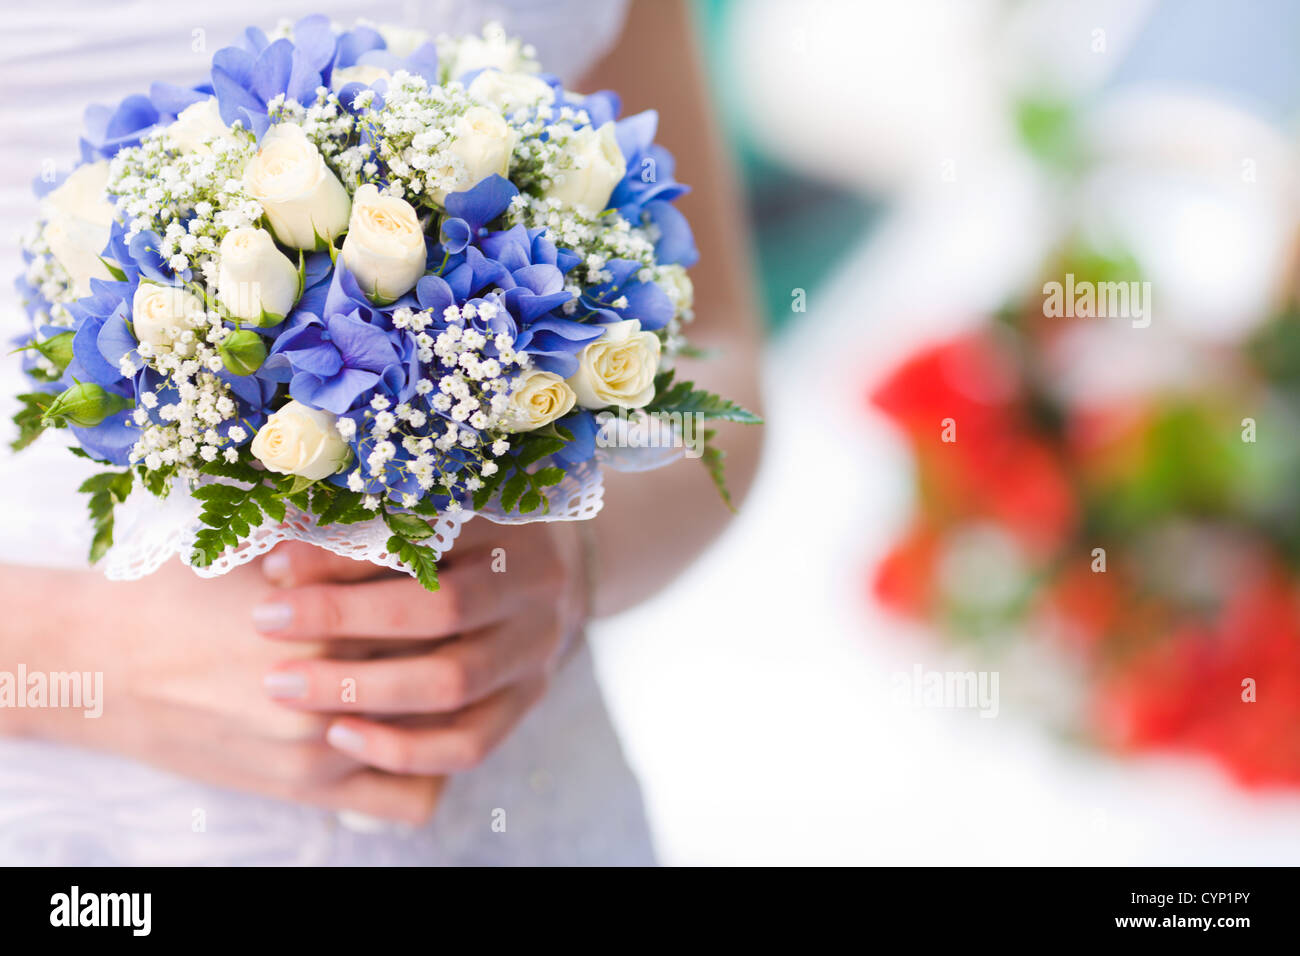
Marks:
<point>352,289</point>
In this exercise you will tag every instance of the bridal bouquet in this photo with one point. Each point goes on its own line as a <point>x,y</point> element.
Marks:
<point>353,288</point>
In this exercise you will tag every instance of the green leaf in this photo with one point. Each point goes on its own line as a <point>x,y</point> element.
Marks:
<point>548,476</point>
<point>484,494</point>
<point>232,512</point>
<point>221,494</point>
<point>82,453</point>
<point>537,447</point>
<point>107,490</point>
<point>157,482</point>
<point>531,501</point>
<point>333,505</point>
<point>512,489</point>
<point>420,559</point>
<point>411,527</point>
<point>113,269</point>
<point>427,507</point>
<point>295,485</point>
<point>30,418</point>
<point>269,501</point>
<point>685,399</point>
<point>237,470</point>
<point>713,459</point>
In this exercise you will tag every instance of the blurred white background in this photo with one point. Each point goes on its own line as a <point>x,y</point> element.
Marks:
<point>755,697</point>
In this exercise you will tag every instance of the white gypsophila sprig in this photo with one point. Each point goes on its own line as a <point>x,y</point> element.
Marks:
<point>542,155</point>
<point>412,132</point>
<point>330,127</point>
<point>189,200</point>
<point>460,405</point>
<point>193,403</point>
<point>47,278</point>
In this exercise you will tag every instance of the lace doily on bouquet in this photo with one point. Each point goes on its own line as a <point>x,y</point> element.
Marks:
<point>149,531</point>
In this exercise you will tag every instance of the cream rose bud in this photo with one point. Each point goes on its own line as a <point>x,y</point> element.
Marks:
<point>361,73</point>
<point>402,41</point>
<point>254,278</point>
<point>618,368</point>
<point>510,92</point>
<point>79,219</point>
<point>302,198</point>
<point>483,144</point>
<point>595,166</point>
<point>538,398</point>
<point>161,314</point>
<point>679,288</point>
<point>493,49</point>
<point>197,126</point>
<point>384,247</point>
<point>301,440</point>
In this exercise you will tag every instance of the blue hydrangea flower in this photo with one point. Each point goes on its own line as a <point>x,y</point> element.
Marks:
<point>627,297</point>
<point>645,194</point>
<point>339,360</point>
<point>246,82</point>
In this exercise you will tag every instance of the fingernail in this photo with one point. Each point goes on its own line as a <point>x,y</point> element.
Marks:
<point>272,617</point>
<point>345,738</point>
<point>275,566</point>
<point>285,685</point>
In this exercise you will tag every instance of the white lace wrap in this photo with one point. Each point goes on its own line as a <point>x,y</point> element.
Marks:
<point>149,531</point>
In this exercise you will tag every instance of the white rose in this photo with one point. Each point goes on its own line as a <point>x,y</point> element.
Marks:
<point>77,230</point>
<point>510,92</point>
<point>679,288</point>
<point>161,314</point>
<point>197,126</point>
<point>402,41</point>
<point>254,278</point>
<point>494,49</point>
<point>83,196</point>
<point>361,73</point>
<point>595,166</point>
<point>384,247</point>
<point>301,197</point>
<point>618,368</point>
<point>301,440</point>
<point>483,145</point>
<point>77,245</point>
<point>538,399</point>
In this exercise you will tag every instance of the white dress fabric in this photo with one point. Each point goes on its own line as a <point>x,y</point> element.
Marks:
<point>560,778</point>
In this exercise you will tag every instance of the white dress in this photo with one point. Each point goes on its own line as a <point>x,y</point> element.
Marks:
<point>568,795</point>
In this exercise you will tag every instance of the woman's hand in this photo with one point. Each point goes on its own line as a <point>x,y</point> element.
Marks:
<point>182,686</point>
<point>452,672</point>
